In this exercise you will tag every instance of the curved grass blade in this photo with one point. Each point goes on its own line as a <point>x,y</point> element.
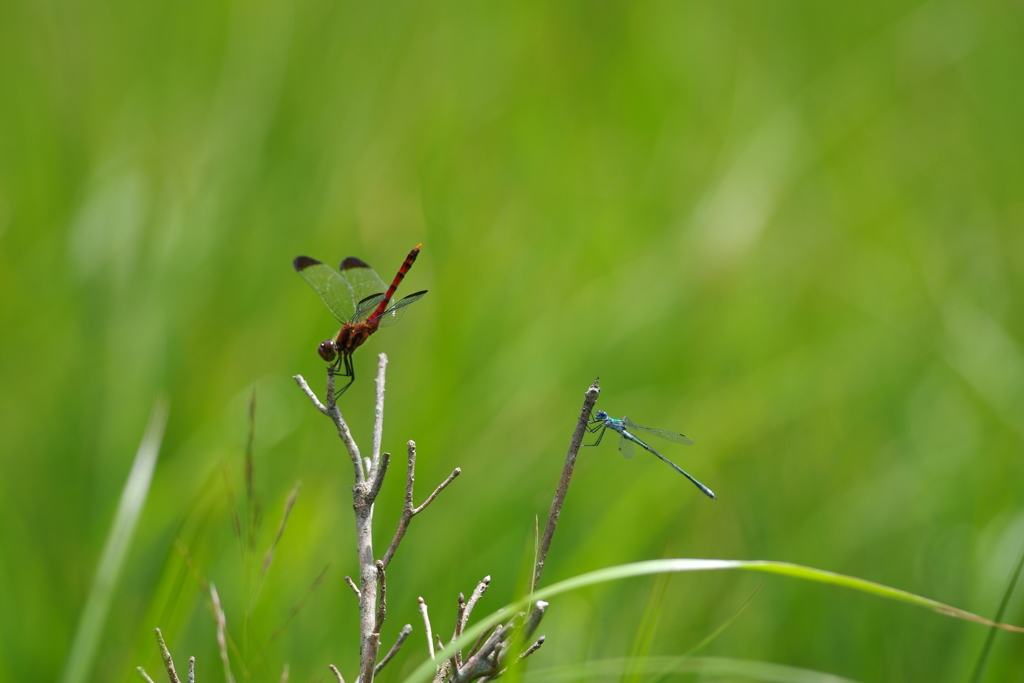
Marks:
<point>425,671</point>
<point>710,667</point>
<point>91,623</point>
<point>979,667</point>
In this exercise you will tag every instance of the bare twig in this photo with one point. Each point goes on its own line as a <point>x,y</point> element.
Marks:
<point>363,492</point>
<point>337,673</point>
<point>284,673</point>
<point>484,660</point>
<point>530,650</point>
<point>460,616</point>
<point>143,675</point>
<point>378,412</point>
<point>426,624</point>
<point>331,410</point>
<point>533,621</point>
<point>441,487</point>
<point>332,398</point>
<point>378,479</point>
<point>222,624</point>
<point>478,592</point>
<point>409,510</point>
<point>454,661</point>
<point>309,394</point>
<point>372,646</point>
<point>484,637</point>
<point>369,637</point>
<point>165,654</point>
<point>382,599</point>
<point>563,484</point>
<point>191,670</point>
<point>488,659</point>
<point>352,585</point>
<point>406,630</point>
<point>536,549</point>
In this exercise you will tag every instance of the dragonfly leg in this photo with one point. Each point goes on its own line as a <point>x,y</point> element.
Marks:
<point>599,436</point>
<point>350,372</point>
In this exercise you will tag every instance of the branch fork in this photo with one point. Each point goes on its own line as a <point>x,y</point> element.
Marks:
<point>369,474</point>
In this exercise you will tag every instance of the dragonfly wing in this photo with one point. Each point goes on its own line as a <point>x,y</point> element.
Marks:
<point>674,437</point>
<point>329,284</point>
<point>392,315</point>
<point>626,447</point>
<point>366,306</point>
<point>362,280</point>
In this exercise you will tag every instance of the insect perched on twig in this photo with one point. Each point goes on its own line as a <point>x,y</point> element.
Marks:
<point>602,422</point>
<point>355,295</point>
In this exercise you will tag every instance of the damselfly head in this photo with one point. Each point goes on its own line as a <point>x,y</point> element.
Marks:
<point>601,415</point>
<point>328,350</point>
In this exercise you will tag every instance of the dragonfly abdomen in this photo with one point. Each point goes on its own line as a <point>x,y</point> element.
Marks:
<point>406,265</point>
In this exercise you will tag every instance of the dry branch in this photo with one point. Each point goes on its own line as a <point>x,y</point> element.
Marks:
<point>426,625</point>
<point>409,510</point>
<point>406,630</point>
<point>165,654</point>
<point>563,484</point>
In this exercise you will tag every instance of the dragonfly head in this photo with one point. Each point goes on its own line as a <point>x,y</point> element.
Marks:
<point>600,415</point>
<point>328,350</point>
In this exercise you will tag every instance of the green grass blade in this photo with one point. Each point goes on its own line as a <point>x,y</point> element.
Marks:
<point>425,671</point>
<point>822,576</point>
<point>710,667</point>
<point>90,625</point>
<point>979,667</point>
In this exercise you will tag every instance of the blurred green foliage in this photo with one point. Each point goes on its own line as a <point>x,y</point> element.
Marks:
<point>791,230</point>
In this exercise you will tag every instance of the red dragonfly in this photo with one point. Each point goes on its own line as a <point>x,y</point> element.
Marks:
<point>356,297</point>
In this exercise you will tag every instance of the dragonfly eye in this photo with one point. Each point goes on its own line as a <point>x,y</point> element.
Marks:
<point>327,350</point>
<point>601,415</point>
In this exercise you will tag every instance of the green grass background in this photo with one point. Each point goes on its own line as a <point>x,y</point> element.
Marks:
<point>791,230</point>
